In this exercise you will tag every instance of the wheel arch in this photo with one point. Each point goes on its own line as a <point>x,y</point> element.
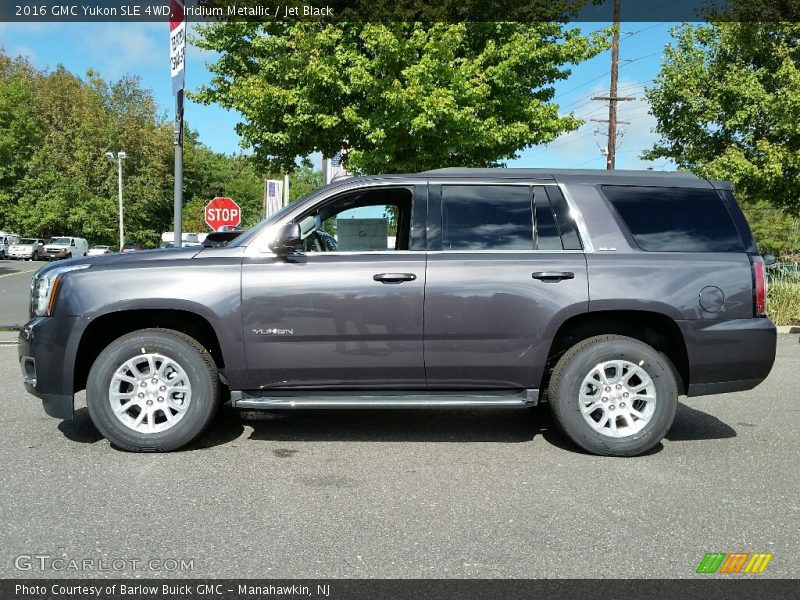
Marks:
<point>106,328</point>
<point>655,329</point>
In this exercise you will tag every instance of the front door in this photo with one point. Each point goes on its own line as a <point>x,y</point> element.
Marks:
<point>347,311</point>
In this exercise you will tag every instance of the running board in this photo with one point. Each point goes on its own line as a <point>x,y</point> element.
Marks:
<point>256,399</point>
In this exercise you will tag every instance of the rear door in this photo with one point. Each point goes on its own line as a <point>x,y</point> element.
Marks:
<point>505,267</point>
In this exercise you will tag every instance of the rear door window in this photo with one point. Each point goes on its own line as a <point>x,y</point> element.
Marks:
<point>547,237</point>
<point>662,219</point>
<point>486,217</point>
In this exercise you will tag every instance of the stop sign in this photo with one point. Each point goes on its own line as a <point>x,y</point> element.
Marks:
<point>222,211</point>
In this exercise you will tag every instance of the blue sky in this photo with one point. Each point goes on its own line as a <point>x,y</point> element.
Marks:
<point>116,49</point>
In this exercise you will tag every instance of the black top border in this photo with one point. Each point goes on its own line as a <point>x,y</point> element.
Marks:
<point>455,11</point>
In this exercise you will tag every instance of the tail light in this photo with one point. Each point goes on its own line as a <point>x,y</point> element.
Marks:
<point>760,281</point>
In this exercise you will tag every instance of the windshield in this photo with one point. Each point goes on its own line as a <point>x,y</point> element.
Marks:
<point>26,241</point>
<point>60,241</point>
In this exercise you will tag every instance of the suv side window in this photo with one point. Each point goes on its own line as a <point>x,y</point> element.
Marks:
<point>663,219</point>
<point>547,237</point>
<point>565,222</point>
<point>486,217</point>
<point>365,220</point>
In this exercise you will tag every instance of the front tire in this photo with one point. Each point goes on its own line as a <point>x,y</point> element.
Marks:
<point>613,395</point>
<point>153,390</point>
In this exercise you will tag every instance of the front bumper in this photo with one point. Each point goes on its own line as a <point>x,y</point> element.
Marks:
<point>47,350</point>
<point>728,356</point>
<point>56,253</point>
<point>18,254</point>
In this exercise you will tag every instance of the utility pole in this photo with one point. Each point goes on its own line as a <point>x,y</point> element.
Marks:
<point>177,207</point>
<point>118,158</point>
<point>612,97</point>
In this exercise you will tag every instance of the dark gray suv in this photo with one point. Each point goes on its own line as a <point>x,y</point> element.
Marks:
<point>607,295</point>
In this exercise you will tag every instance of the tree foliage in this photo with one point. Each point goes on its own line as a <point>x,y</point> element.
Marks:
<point>55,128</point>
<point>727,105</point>
<point>401,96</point>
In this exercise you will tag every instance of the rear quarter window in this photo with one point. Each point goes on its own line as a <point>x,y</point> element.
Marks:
<point>663,219</point>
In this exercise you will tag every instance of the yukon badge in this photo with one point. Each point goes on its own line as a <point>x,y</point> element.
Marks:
<point>273,331</point>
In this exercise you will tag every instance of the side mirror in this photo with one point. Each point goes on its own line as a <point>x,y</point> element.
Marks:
<point>769,259</point>
<point>287,240</point>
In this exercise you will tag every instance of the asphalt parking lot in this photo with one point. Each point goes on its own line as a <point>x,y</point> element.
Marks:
<point>15,285</point>
<point>407,494</point>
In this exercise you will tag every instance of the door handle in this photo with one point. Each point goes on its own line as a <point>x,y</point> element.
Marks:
<point>394,277</point>
<point>553,275</point>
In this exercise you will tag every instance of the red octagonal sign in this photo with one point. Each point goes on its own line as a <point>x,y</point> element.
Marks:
<point>221,212</point>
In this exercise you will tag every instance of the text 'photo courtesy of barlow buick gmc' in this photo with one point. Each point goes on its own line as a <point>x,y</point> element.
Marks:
<point>606,295</point>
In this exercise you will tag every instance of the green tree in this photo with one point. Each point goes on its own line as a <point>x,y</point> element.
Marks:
<point>776,231</point>
<point>55,128</point>
<point>727,105</point>
<point>303,181</point>
<point>400,96</point>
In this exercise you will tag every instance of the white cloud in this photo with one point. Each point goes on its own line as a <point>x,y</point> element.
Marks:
<point>22,51</point>
<point>123,48</point>
<point>582,148</point>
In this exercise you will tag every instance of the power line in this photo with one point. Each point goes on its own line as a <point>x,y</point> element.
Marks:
<point>588,81</point>
<point>591,160</point>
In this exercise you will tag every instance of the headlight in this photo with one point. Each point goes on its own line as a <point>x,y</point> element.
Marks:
<point>44,286</point>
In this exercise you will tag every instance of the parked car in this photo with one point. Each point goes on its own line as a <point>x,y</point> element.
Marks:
<point>27,249</point>
<point>215,239</point>
<point>131,248</point>
<point>65,247</point>
<point>606,294</point>
<point>6,241</point>
<point>99,250</point>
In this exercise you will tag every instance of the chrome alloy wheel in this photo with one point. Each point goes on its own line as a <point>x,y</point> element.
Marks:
<point>150,393</point>
<point>617,398</point>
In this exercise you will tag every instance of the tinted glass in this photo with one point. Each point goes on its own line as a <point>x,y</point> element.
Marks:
<point>486,217</point>
<point>547,237</point>
<point>566,224</point>
<point>675,219</point>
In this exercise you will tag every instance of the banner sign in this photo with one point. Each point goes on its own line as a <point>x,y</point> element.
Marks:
<point>333,169</point>
<point>177,44</point>
<point>273,196</point>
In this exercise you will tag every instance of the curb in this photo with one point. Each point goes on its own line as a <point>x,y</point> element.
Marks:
<point>786,329</point>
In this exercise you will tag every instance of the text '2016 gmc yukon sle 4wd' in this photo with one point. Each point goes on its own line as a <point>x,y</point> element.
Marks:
<point>606,294</point>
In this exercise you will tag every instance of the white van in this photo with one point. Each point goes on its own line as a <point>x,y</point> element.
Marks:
<point>6,241</point>
<point>65,247</point>
<point>187,239</point>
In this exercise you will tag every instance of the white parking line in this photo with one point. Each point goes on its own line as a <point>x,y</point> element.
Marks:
<point>18,273</point>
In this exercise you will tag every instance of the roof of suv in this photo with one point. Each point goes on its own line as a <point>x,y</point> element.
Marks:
<point>561,174</point>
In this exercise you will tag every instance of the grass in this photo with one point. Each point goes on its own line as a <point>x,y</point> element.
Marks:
<point>783,300</point>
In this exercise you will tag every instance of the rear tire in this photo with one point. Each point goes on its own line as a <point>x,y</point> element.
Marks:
<point>614,395</point>
<point>153,390</point>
